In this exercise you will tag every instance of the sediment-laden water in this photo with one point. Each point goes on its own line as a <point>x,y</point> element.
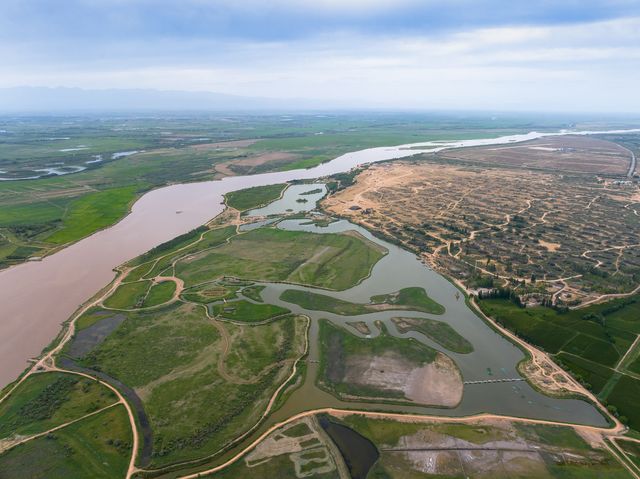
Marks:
<point>36,297</point>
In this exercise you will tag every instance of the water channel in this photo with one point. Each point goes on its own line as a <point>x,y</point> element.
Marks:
<point>36,297</point>
<point>493,357</point>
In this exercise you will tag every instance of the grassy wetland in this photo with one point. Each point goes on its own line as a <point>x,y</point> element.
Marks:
<point>67,179</point>
<point>213,338</point>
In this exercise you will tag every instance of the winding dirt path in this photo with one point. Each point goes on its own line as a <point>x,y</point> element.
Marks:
<point>417,418</point>
<point>6,445</point>
<point>226,347</point>
<point>540,357</point>
<point>47,364</point>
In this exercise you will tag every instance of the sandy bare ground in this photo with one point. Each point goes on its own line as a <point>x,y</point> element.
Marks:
<point>550,246</point>
<point>457,217</point>
<point>360,326</point>
<point>438,383</point>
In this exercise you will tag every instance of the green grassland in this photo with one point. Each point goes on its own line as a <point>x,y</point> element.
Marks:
<point>588,342</point>
<point>439,331</point>
<point>171,358</point>
<point>208,292</point>
<point>414,299</point>
<point>92,316</point>
<point>44,401</point>
<point>249,198</point>
<point>167,253</point>
<point>632,450</point>
<point>247,311</point>
<point>548,440</point>
<point>337,345</point>
<point>322,302</point>
<point>93,212</point>
<point>254,348</point>
<point>96,447</point>
<point>334,261</point>
<point>253,292</point>
<point>128,295</point>
<point>173,149</point>
<point>159,293</point>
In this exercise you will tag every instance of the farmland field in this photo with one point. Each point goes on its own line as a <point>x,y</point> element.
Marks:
<point>585,342</point>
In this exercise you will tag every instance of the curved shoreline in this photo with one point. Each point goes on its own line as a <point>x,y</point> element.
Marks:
<point>65,279</point>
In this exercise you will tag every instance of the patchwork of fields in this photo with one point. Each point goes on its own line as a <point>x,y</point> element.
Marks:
<point>598,344</point>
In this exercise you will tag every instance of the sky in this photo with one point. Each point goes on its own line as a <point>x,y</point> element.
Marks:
<point>560,55</point>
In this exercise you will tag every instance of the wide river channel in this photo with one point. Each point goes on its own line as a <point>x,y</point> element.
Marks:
<point>36,297</point>
<point>493,357</point>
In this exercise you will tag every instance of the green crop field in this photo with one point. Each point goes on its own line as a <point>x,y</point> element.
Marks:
<point>593,374</point>
<point>555,331</point>
<point>626,397</point>
<point>589,342</point>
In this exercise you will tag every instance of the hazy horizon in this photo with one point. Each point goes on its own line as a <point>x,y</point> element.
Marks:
<point>377,54</point>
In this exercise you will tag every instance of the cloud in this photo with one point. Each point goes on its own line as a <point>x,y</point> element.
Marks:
<point>427,54</point>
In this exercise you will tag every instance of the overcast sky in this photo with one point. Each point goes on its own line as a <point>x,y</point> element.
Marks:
<point>432,54</point>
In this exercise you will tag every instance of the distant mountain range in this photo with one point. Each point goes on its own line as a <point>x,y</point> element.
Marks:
<point>42,99</point>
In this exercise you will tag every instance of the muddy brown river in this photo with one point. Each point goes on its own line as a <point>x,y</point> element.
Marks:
<point>36,297</point>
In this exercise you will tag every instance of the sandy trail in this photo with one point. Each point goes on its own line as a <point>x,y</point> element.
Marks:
<point>5,445</point>
<point>226,346</point>
<point>399,417</point>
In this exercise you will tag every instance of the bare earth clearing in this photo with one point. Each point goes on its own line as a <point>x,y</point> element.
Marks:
<point>438,383</point>
<point>576,235</point>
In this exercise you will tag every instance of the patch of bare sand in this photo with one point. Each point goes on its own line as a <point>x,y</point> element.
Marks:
<point>438,383</point>
<point>549,246</point>
<point>360,326</point>
<point>279,443</point>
